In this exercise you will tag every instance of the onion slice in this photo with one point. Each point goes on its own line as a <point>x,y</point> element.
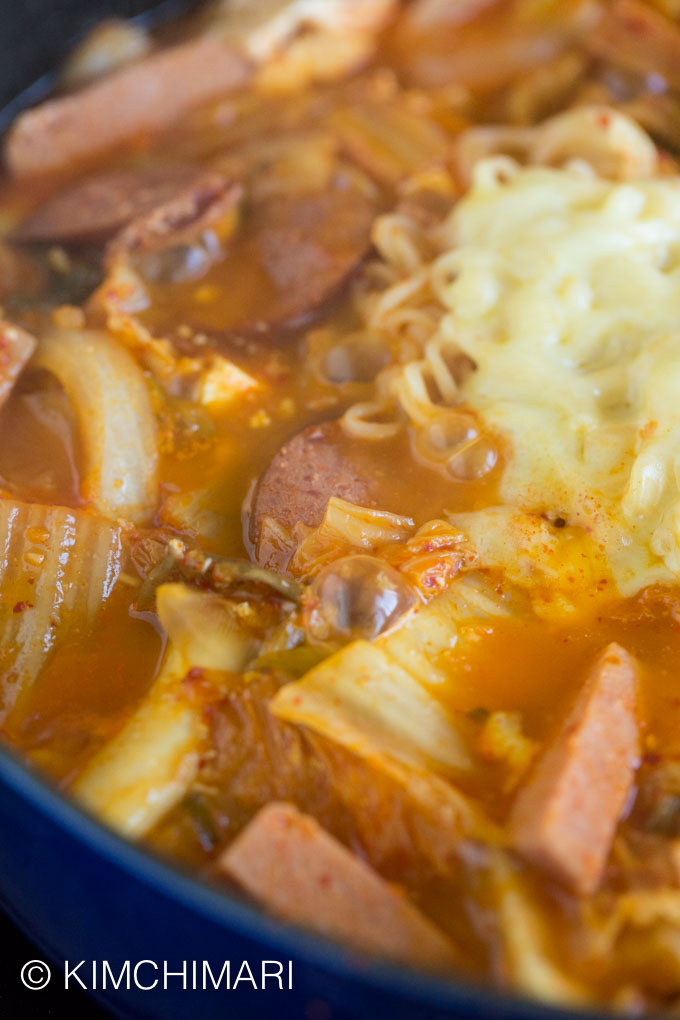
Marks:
<point>117,427</point>
<point>140,775</point>
<point>151,763</point>
<point>57,568</point>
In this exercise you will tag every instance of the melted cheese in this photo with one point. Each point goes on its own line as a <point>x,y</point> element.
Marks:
<point>565,290</point>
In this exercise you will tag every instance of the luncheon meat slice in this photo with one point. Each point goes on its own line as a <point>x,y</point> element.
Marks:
<point>145,98</point>
<point>97,207</point>
<point>294,868</point>
<point>313,466</point>
<point>16,348</point>
<point>564,819</point>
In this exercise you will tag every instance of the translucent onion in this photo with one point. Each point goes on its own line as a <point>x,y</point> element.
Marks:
<point>346,527</point>
<point>151,763</point>
<point>148,767</point>
<point>57,568</point>
<point>118,431</point>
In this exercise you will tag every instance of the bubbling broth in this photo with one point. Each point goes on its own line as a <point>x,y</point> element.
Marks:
<point>339,543</point>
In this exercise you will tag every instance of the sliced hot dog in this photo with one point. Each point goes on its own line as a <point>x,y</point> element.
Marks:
<point>563,820</point>
<point>97,207</point>
<point>305,248</point>
<point>309,469</point>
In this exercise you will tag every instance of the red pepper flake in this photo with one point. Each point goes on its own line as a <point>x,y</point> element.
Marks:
<point>20,606</point>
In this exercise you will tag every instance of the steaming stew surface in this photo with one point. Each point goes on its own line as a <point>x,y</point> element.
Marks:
<point>340,404</point>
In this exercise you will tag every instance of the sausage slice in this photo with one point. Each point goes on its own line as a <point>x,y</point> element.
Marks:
<point>97,207</point>
<point>295,869</point>
<point>304,247</point>
<point>145,98</point>
<point>564,819</point>
<point>313,466</point>
<point>289,257</point>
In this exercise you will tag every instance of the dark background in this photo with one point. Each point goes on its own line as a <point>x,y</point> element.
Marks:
<point>53,1001</point>
<point>39,36</point>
